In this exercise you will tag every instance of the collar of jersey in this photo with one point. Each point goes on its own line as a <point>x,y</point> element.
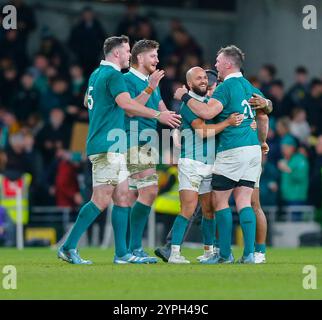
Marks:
<point>139,74</point>
<point>196,96</point>
<point>108,63</point>
<point>234,75</point>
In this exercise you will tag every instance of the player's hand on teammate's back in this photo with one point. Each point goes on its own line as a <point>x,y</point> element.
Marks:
<point>170,118</point>
<point>180,92</point>
<point>265,148</point>
<point>257,102</point>
<point>155,78</point>
<point>235,119</point>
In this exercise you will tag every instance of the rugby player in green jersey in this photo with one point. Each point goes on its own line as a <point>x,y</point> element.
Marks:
<point>238,161</point>
<point>107,100</point>
<point>195,166</point>
<point>143,84</point>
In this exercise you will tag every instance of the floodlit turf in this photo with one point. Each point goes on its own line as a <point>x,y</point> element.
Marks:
<point>40,275</point>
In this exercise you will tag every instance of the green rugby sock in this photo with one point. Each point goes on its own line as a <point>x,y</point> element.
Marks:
<point>86,217</point>
<point>208,231</point>
<point>178,230</point>
<point>260,248</point>
<point>139,216</point>
<point>247,220</point>
<point>216,240</point>
<point>224,221</point>
<point>120,223</point>
<point>128,227</point>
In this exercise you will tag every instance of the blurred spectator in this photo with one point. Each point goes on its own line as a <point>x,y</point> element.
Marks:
<point>86,40</point>
<point>185,44</point>
<point>9,82</point>
<point>66,183</point>
<point>167,84</point>
<point>13,46</point>
<point>145,30</point>
<point>313,105</point>
<point>57,96</point>
<point>298,92</point>
<point>266,76</point>
<point>168,45</point>
<point>299,127</point>
<point>294,169</point>
<point>53,136</point>
<point>34,158</point>
<point>38,71</point>
<point>26,21</point>
<point>129,22</point>
<point>53,50</point>
<point>269,183</point>
<point>76,110</point>
<point>18,161</point>
<point>282,129</point>
<point>281,104</point>
<point>26,100</point>
<point>316,176</point>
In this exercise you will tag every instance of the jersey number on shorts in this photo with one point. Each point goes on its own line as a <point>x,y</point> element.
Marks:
<point>90,100</point>
<point>248,112</point>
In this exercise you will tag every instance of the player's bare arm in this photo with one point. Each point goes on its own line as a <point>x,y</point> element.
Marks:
<point>203,110</point>
<point>259,103</point>
<point>209,130</point>
<point>134,108</point>
<point>162,106</point>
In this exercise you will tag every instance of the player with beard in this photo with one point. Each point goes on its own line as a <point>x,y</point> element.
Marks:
<point>237,165</point>
<point>107,100</point>
<point>143,84</point>
<point>195,165</point>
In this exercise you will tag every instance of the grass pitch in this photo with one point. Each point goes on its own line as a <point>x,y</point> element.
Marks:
<point>40,275</point>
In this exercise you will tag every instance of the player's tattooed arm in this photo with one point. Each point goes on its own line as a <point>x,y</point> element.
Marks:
<point>260,103</point>
<point>209,130</point>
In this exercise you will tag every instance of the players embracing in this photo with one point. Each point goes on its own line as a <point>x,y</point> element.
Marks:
<point>238,160</point>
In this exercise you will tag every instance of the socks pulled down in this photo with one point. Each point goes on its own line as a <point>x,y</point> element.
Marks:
<point>87,214</point>
<point>247,220</point>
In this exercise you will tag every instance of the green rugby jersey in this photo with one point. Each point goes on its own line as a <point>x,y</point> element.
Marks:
<point>192,146</point>
<point>136,82</point>
<point>234,94</point>
<point>104,85</point>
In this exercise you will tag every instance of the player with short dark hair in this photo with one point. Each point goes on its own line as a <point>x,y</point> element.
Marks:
<point>107,100</point>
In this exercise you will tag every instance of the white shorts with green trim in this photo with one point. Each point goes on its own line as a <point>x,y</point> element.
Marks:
<point>194,175</point>
<point>108,168</point>
<point>237,164</point>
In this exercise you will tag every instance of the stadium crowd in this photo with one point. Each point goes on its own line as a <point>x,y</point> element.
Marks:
<point>41,98</point>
